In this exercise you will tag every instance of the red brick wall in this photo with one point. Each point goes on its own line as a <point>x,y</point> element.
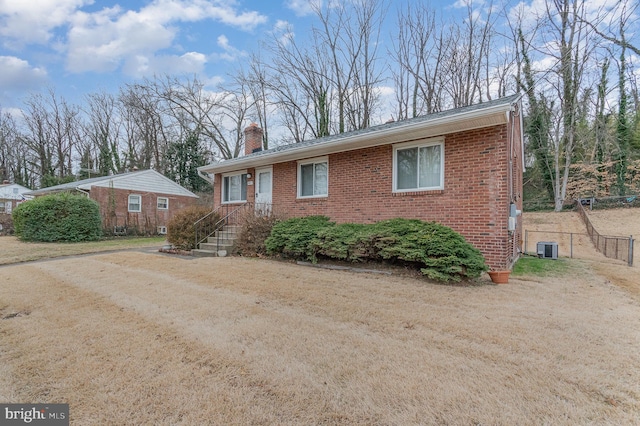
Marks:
<point>114,205</point>
<point>475,200</point>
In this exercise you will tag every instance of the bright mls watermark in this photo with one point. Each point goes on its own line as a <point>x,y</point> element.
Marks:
<point>34,414</point>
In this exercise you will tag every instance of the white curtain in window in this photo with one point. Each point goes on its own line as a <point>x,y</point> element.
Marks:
<point>419,167</point>
<point>429,166</point>
<point>320,179</point>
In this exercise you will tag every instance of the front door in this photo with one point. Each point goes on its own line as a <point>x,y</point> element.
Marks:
<point>263,190</point>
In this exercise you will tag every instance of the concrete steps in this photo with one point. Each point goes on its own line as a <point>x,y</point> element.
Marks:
<point>219,244</point>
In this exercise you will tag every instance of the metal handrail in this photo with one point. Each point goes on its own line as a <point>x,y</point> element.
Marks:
<point>202,233</point>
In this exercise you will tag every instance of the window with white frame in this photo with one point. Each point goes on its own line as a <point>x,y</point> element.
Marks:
<point>2,207</point>
<point>234,188</point>
<point>418,166</point>
<point>135,203</point>
<point>313,178</point>
<point>163,203</point>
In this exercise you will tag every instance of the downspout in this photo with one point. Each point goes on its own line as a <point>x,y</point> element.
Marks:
<point>86,193</point>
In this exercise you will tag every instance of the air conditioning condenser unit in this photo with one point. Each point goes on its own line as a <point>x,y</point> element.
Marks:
<point>547,250</point>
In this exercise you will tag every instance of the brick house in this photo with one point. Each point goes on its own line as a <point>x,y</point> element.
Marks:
<point>462,168</point>
<point>140,202</point>
<point>11,194</point>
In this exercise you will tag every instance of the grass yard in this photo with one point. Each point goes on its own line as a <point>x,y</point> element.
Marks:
<point>138,337</point>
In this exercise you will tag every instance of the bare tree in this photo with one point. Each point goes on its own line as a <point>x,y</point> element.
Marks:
<point>101,146</point>
<point>327,84</point>
<point>51,134</point>
<point>13,158</point>
<point>256,81</point>
<point>467,55</point>
<point>217,116</point>
<point>145,127</point>
<point>362,40</point>
<point>563,37</point>
<point>450,65</point>
<point>301,85</point>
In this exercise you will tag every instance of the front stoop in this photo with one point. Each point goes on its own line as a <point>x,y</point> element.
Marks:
<point>224,244</point>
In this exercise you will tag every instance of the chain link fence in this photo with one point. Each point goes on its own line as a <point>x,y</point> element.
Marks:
<point>614,247</point>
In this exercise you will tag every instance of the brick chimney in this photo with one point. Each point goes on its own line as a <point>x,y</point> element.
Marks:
<point>252,139</point>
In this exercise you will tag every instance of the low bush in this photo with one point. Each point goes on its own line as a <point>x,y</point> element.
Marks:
<point>443,253</point>
<point>294,237</point>
<point>6,224</point>
<point>58,217</point>
<point>254,231</point>
<point>352,242</point>
<point>437,251</point>
<point>181,231</point>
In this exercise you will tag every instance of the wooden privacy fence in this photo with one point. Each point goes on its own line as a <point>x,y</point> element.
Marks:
<point>613,247</point>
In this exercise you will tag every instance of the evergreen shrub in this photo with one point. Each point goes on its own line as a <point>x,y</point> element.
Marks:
<point>437,251</point>
<point>294,237</point>
<point>58,217</point>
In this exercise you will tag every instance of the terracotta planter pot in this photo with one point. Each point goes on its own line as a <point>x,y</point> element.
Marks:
<point>499,277</point>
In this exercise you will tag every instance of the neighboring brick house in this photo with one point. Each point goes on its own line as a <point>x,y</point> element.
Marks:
<point>140,202</point>
<point>462,168</point>
<point>11,194</point>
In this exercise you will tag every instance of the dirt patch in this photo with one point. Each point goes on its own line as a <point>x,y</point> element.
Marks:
<point>625,221</point>
<point>142,338</point>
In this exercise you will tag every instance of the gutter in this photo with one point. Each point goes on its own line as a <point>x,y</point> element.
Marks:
<point>205,175</point>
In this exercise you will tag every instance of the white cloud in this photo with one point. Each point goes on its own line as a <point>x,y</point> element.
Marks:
<point>24,22</point>
<point>303,7</point>
<point>113,37</point>
<point>18,74</point>
<point>103,41</point>
<point>230,54</point>
<point>283,31</point>
<point>146,66</point>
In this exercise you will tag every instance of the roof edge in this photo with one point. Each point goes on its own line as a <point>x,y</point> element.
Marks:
<point>375,134</point>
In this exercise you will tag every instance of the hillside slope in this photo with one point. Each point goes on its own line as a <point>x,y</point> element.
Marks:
<point>542,226</point>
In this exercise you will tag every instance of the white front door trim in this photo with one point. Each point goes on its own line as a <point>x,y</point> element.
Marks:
<point>264,187</point>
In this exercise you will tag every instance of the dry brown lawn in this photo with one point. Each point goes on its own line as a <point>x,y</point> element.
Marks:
<point>145,338</point>
<point>12,250</point>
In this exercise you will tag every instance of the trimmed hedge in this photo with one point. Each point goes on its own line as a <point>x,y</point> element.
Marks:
<point>58,217</point>
<point>180,230</point>
<point>294,237</point>
<point>439,252</point>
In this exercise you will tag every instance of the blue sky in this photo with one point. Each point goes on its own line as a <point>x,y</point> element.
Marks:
<point>83,46</point>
